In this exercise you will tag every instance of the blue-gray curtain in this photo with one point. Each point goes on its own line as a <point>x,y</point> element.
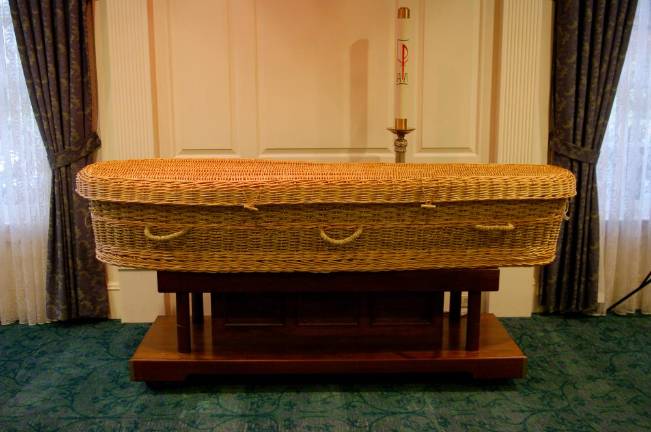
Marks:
<point>590,41</point>
<point>55,41</point>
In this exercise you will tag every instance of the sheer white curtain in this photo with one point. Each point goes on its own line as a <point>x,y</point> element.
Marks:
<point>624,173</point>
<point>24,191</point>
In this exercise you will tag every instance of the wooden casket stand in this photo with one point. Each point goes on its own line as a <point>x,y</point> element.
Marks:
<point>327,323</point>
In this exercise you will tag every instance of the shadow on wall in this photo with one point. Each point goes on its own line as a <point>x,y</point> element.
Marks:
<point>359,99</point>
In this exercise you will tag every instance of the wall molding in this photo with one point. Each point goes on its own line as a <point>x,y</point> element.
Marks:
<point>521,111</point>
<point>523,101</point>
<point>129,81</point>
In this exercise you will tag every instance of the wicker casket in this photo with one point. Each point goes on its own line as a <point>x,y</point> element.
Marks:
<point>275,216</point>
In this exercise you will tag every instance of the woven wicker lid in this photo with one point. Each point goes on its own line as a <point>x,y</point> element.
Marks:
<point>251,182</point>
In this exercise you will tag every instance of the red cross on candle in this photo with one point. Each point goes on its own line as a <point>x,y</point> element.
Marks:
<point>403,55</point>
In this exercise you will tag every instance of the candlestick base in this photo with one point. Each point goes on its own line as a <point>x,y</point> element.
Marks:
<point>400,143</point>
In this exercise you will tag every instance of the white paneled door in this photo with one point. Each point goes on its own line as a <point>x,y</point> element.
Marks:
<point>312,79</point>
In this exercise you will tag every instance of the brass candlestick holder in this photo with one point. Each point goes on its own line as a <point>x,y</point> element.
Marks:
<point>400,143</point>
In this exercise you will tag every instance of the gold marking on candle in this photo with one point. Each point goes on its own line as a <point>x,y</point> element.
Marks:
<point>403,13</point>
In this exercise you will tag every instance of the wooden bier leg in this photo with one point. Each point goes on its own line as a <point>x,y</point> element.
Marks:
<point>216,320</point>
<point>197,308</point>
<point>455,306</point>
<point>472,321</point>
<point>183,341</point>
<point>374,346</point>
<point>438,298</point>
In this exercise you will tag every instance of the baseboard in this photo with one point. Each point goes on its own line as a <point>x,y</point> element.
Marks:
<point>114,297</point>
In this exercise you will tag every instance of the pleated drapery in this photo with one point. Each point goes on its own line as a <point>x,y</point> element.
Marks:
<point>54,38</point>
<point>590,42</point>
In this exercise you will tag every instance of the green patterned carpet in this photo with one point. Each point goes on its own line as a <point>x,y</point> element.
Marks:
<point>586,374</point>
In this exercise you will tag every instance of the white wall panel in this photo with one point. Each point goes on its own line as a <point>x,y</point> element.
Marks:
<point>455,81</point>
<point>193,75</point>
<point>126,125</point>
<point>324,78</point>
<point>313,80</point>
<point>524,82</point>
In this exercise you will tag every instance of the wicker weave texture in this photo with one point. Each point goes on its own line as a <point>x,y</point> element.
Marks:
<point>253,215</point>
<point>319,238</point>
<point>250,183</point>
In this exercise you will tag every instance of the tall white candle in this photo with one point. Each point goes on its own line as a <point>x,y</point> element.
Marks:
<point>403,45</point>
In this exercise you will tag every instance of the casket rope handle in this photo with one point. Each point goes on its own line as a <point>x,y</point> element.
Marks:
<point>171,236</point>
<point>342,241</point>
<point>507,227</point>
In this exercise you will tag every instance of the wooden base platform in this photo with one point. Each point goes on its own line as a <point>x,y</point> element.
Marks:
<point>157,358</point>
